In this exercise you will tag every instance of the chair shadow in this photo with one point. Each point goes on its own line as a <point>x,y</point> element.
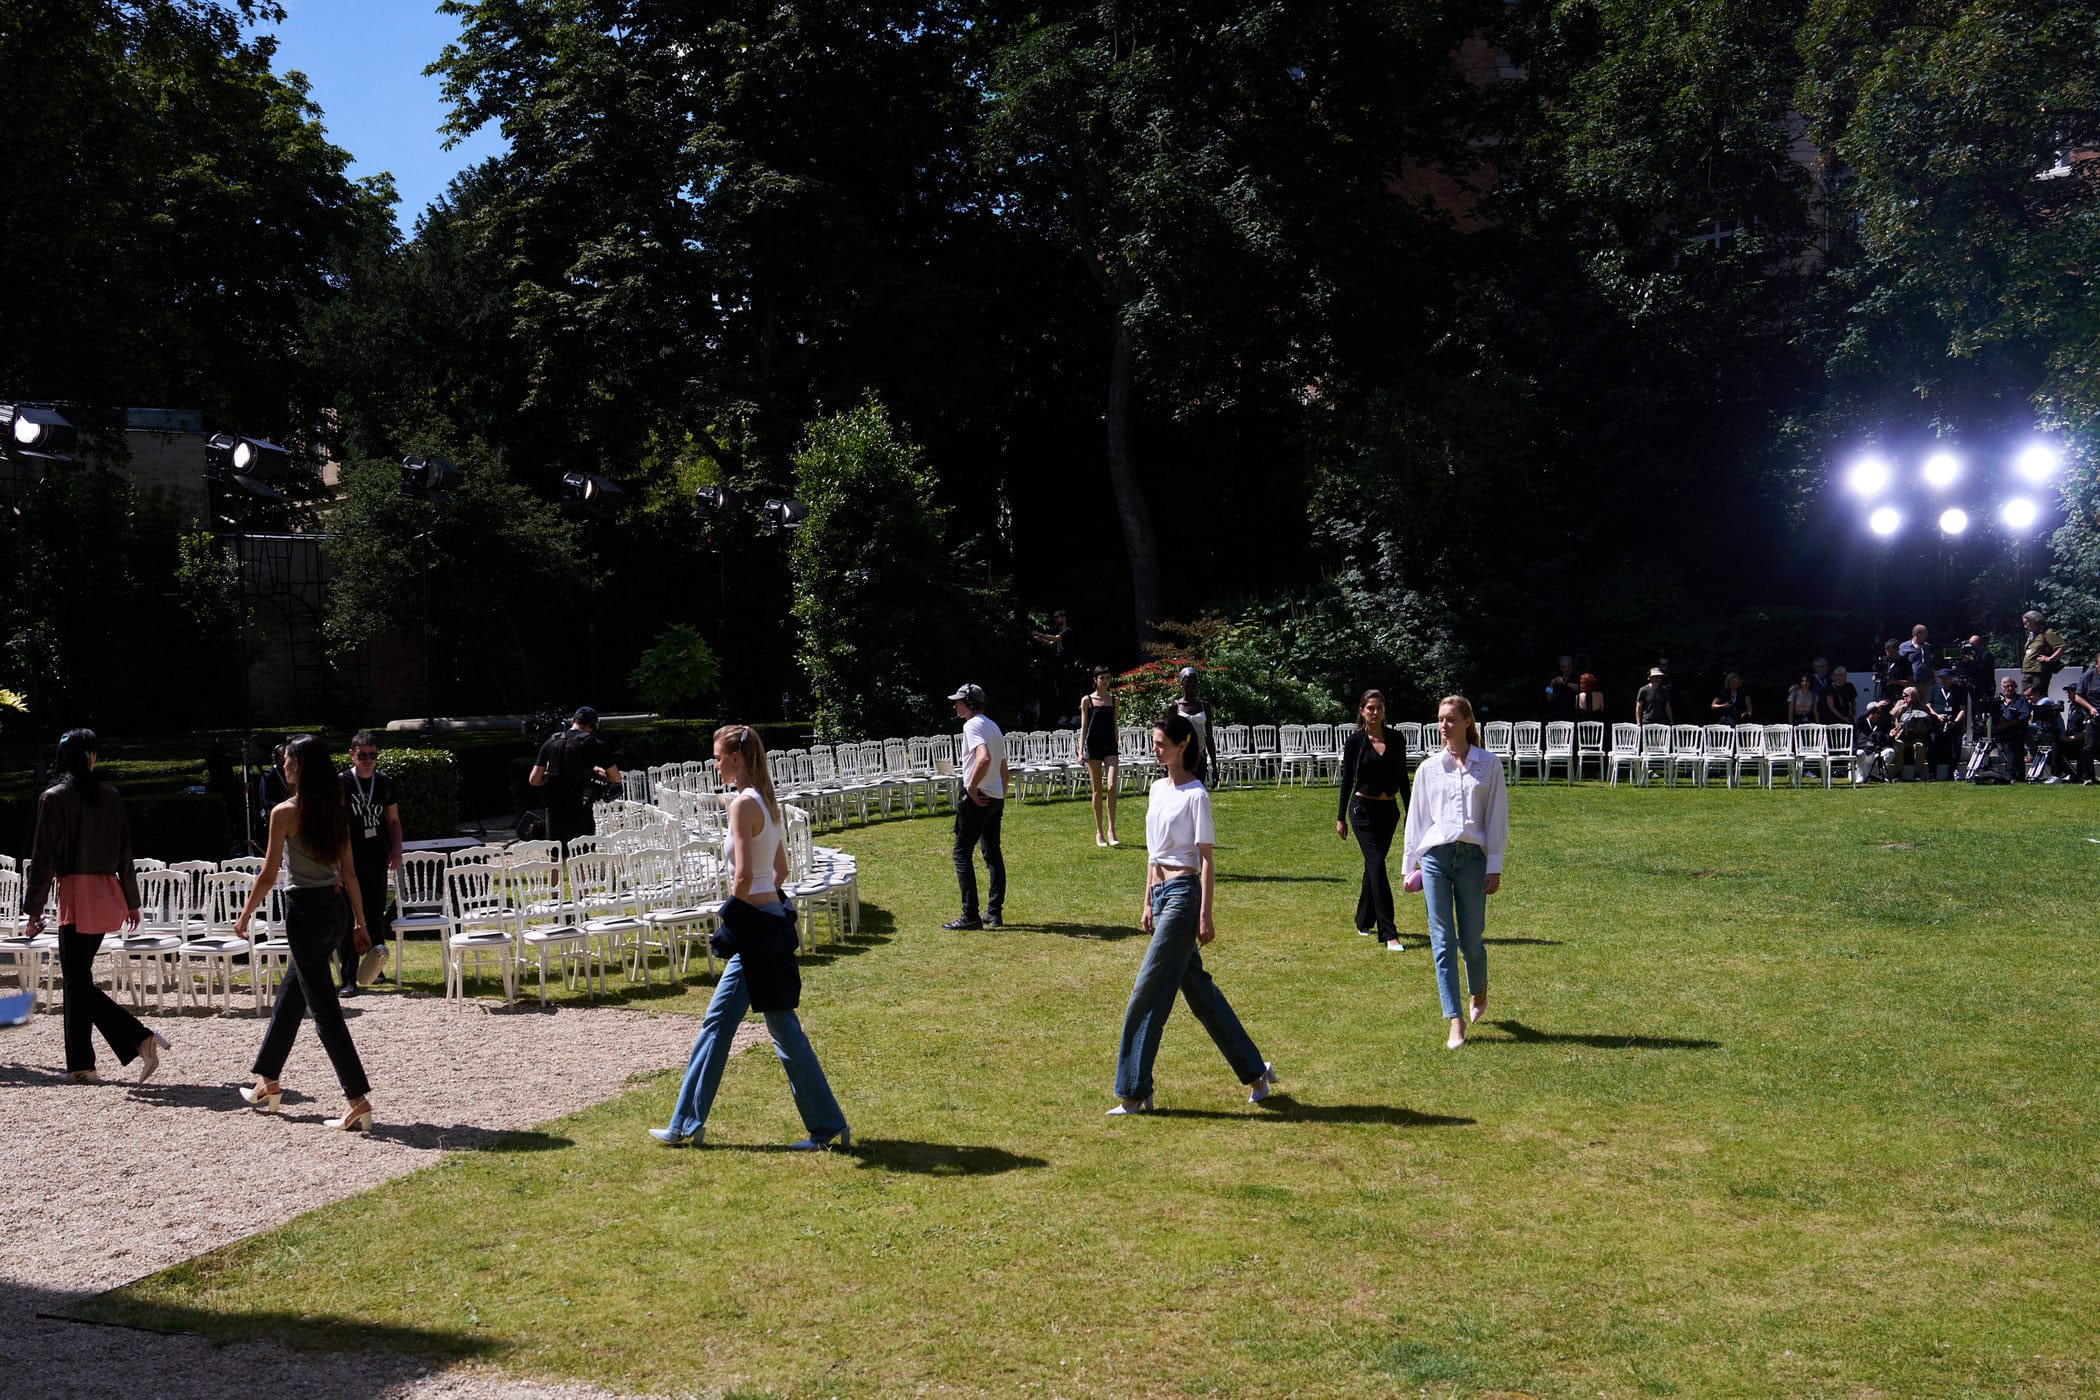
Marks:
<point>466,1137</point>
<point>915,1158</point>
<point>1522,1034</point>
<point>1283,1108</point>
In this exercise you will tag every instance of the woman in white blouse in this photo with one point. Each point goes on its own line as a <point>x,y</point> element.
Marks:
<point>1179,882</point>
<point>1457,827</point>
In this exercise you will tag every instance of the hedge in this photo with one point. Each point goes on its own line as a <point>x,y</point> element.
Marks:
<point>426,788</point>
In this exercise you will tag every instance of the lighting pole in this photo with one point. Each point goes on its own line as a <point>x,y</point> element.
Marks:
<point>716,508</point>
<point>432,481</point>
<point>39,434</point>
<point>239,473</point>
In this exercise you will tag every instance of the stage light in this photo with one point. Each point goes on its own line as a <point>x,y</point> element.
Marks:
<point>1869,477</point>
<point>783,514</point>
<point>431,479</point>
<point>2037,462</point>
<point>1885,522</point>
<point>31,433</point>
<point>585,496</point>
<point>2019,513</point>
<point>711,503</point>
<point>1941,468</point>
<point>1953,521</point>
<point>249,464</point>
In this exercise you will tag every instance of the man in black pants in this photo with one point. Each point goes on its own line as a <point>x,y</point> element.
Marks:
<point>566,765</point>
<point>977,814</point>
<point>375,848</point>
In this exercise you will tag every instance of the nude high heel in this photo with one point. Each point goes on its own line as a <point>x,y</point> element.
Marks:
<point>263,1095</point>
<point>358,1119</point>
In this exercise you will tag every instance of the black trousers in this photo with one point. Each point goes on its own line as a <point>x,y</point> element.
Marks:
<point>977,826</point>
<point>313,925</point>
<point>1374,824</point>
<point>566,822</point>
<point>88,1008</point>
<point>371,890</point>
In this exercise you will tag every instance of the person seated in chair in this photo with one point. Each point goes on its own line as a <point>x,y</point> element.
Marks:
<point>1914,730</point>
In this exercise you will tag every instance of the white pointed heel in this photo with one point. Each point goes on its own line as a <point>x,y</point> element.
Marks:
<point>357,1120</point>
<point>149,1054</point>
<point>264,1095</point>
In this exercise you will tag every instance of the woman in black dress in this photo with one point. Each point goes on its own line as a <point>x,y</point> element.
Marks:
<point>1374,795</point>
<point>1100,747</point>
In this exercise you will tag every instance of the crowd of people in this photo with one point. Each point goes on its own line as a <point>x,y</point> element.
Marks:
<point>1920,711</point>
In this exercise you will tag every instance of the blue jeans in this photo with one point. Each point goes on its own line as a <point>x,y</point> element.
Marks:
<point>1454,883</point>
<point>1172,964</point>
<point>703,1072</point>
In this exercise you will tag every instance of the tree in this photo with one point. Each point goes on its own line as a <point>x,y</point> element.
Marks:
<point>1224,175</point>
<point>880,620</point>
<point>678,672</point>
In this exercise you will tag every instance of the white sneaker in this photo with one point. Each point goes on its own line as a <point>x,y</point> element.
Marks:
<point>671,1139</point>
<point>1394,945</point>
<point>1131,1106</point>
<point>843,1142</point>
<point>1365,932</point>
<point>1264,1086</point>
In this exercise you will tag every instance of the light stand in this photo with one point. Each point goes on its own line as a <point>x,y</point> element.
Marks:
<point>432,481</point>
<point>33,433</point>
<point>239,473</point>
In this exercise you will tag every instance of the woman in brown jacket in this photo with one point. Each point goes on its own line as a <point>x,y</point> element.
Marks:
<point>83,847</point>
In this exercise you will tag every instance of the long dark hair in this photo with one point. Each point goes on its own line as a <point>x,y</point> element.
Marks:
<point>318,797</point>
<point>1364,700</point>
<point>1182,735</point>
<point>75,763</point>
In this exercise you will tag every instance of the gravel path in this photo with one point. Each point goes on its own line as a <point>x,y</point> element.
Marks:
<point>82,1217</point>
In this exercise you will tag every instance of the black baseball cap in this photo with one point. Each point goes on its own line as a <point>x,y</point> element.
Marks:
<point>586,714</point>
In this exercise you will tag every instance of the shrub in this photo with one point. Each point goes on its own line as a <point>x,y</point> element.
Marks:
<point>426,788</point>
<point>678,672</point>
<point>179,826</point>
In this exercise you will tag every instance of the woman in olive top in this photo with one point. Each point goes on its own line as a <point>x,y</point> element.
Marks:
<point>83,849</point>
<point>1374,795</point>
<point>311,831</point>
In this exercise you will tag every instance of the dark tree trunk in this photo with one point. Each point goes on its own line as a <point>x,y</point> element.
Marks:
<point>1138,543</point>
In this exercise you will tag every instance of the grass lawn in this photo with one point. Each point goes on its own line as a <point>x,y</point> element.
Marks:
<point>1778,1093</point>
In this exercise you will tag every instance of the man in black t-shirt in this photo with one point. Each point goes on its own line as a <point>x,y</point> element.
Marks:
<point>1563,692</point>
<point>375,847</point>
<point>567,765</point>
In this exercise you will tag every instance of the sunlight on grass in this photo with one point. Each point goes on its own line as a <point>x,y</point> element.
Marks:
<point>1778,1093</point>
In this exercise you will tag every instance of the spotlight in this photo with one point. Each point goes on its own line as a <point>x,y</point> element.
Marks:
<point>1885,522</point>
<point>1869,477</point>
<point>783,515</point>
<point>585,496</point>
<point>2037,462</point>
<point>431,479</point>
<point>32,433</point>
<point>1953,521</point>
<point>250,464</point>
<point>711,503</point>
<point>1941,468</point>
<point>2019,513</point>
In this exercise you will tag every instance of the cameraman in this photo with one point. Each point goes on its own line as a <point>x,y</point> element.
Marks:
<point>1948,719</point>
<point>2084,715</point>
<point>569,765</point>
<point>1974,677</point>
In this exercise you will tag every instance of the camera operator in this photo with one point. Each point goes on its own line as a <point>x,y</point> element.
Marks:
<point>570,766</point>
<point>1914,729</point>
<point>1891,673</point>
<point>1876,741</point>
<point>2084,715</point>
<point>2009,729</point>
<point>1973,676</point>
<point>1948,719</point>
<point>2045,718</point>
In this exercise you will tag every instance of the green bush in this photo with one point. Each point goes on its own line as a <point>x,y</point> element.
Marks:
<point>179,826</point>
<point>678,672</point>
<point>426,788</point>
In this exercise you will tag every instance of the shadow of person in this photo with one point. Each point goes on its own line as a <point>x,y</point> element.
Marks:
<point>1237,878</point>
<point>465,1137</point>
<point>1525,1035</point>
<point>1104,932</point>
<point>914,1158</point>
<point>1282,1108</point>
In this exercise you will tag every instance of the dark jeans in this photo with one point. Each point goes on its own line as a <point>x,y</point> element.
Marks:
<point>979,826</point>
<point>371,889</point>
<point>1172,965</point>
<point>565,823</point>
<point>89,1008</point>
<point>1374,824</point>
<point>313,925</point>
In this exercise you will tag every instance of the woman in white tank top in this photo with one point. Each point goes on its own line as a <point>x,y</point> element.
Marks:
<point>756,857</point>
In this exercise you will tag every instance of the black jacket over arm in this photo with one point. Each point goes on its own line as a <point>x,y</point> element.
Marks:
<point>767,944</point>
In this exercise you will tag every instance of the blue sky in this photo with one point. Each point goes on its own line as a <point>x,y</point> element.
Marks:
<point>364,61</point>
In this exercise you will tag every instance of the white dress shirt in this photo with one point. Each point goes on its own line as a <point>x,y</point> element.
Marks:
<point>1457,801</point>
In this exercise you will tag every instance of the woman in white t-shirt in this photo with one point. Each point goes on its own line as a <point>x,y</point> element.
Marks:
<point>1180,880</point>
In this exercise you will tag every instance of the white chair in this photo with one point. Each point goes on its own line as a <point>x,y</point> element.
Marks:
<point>1655,753</point>
<point>1717,754</point>
<point>1625,754</point>
<point>1589,745</point>
<point>1687,754</point>
<point>210,946</point>
<point>420,905</point>
<point>685,924</point>
<point>546,929</point>
<point>1559,749</point>
<point>1496,735</point>
<point>1838,755</point>
<point>1527,746</point>
<point>483,926</point>
<point>1811,754</point>
<point>1749,754</point>
<point>1779,756</point>
<point>156,944</point>
<point>606,912</point>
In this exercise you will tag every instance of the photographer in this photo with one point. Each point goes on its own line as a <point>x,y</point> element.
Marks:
<point>1973,677</point>
<point>1948,719</point>
<point>1877,742</point>
<point>2084,716</point>
<point>569,766</point>
<point>2009,729</point>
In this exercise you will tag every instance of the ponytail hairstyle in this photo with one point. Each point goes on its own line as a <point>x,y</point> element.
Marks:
<point>1363,700</point>
<point>743,741</point>
<point>1182,735</point>
<point>317,796</point>
<point>74,765</point>
<point>1465,712</point>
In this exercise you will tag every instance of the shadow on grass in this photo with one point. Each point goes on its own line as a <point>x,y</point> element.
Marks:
<point>915,1158</point>
<point>1279,879</point>
<point>1419,941</point>
<point>368,1376</point>
<point>1282,1108</point>
<point>1104,932</point>
<point>1522,1034</point>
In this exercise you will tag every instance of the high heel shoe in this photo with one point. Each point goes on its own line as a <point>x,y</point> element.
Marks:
<point>149,1054</point>
<point>842,1143</point>
<point>357,1120</point>
<point>263,1095</point>
<point>82,1076</point>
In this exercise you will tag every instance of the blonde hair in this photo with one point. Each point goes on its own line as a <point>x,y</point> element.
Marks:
<point>1465,712</point>
<point>743,741</point>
